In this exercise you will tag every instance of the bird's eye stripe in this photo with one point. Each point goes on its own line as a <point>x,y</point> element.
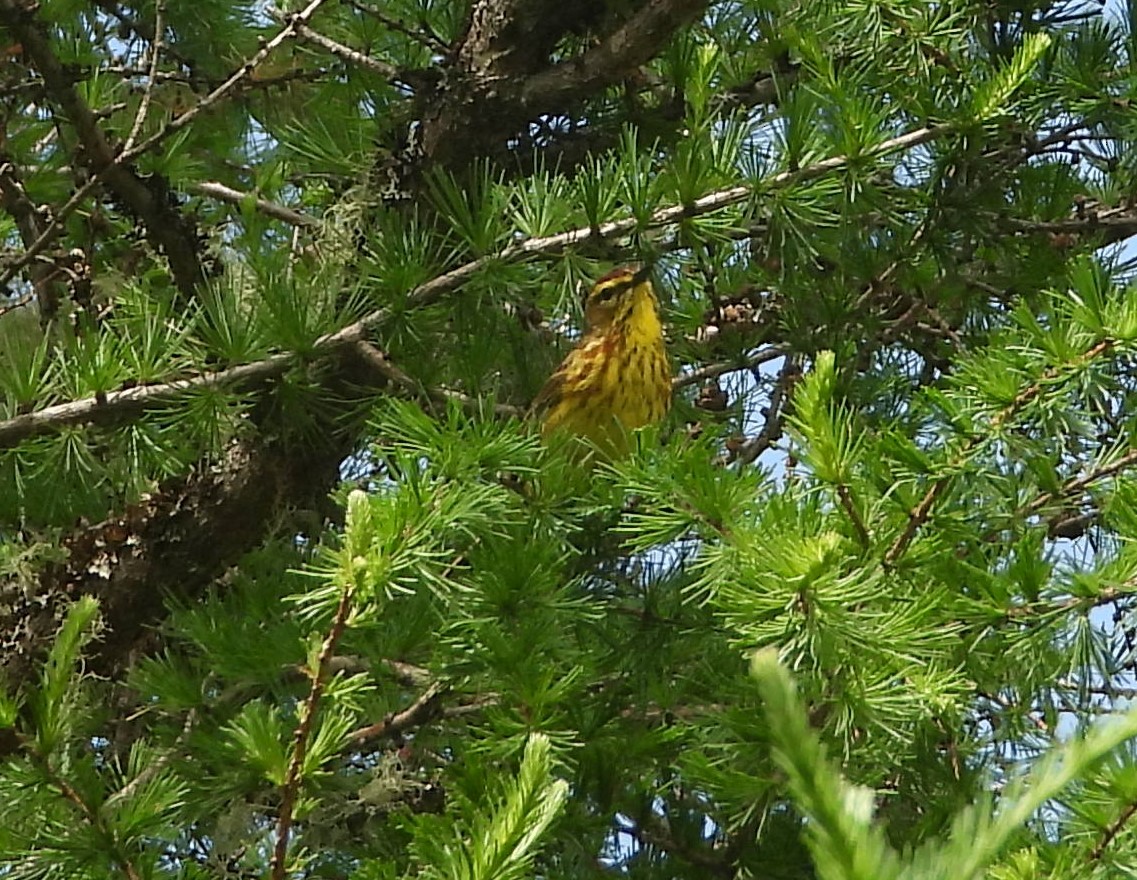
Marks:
<point>612,289</point>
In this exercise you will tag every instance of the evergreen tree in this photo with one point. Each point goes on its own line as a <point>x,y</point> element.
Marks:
<point>291,589</point>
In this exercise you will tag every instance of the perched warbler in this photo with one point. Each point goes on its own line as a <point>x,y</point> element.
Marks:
<point>617,377</point>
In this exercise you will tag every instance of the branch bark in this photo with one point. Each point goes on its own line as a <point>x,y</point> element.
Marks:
<point>170,545</point>
<point>627,47</point>
<point>501,76</point>
<point>31,222</point>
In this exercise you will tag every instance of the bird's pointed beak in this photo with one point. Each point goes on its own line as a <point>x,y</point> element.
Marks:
<point>642,274</point>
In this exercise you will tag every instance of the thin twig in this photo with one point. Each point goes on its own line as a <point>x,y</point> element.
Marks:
<point>426,708</point>
<point>301,736</point>
<point>1080,484</point>
<point>407,673</point>
<point>151,77</point>
<point>916,518</point>
<point>1123,223</point>
<point>154,767</point>
<point>18,303</point>
<point>50,231</point>
<point>216,190</point>
<point>1050,609</point>
<point>353,56</point>
<point>142,29</point>
<point>91,814</point>
<point>649,830</point>
<point>712,371</point>
<point>383,365</point>
<point>845,495</point>
<point>1039,723</point>
<point>165,227</point>
<point>775,415</point>
<point>429,40</point>
<point>1112,831</point>
<point>920,513</point>
<point>15,200</point>
<point>880,280</point>
<point>293,21</point>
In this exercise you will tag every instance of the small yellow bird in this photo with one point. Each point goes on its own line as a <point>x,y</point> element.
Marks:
<point>617,377</point>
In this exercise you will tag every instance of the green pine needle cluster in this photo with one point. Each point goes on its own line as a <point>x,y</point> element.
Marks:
<point>291,588</point>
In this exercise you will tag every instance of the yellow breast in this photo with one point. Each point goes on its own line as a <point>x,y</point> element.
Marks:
<point>616,379</point>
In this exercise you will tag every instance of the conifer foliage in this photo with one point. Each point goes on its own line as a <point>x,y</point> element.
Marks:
<point>289,587</point>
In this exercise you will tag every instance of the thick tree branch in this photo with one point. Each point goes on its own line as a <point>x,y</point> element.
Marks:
<point>501,78</point>
<point>632,44</point>
<point>14,199</point>
<point>171,544</point>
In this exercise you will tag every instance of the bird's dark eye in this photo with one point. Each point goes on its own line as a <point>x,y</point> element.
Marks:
<point>607,294</point>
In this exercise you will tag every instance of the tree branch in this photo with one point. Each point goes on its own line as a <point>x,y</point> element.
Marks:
<point>31,222</point>
<point>653,831</point>
<point>151,76</point>
<point>171,544</point>
<point>346,53</point>
<point>500,77</point>
<point>214,190</point>
<point>775,416</point>
<point>423,37</point>
<point>634,43</point>
<point>116,166</point>
<point>383,365</point>
<point>301,736</point>
<point>427,707</point>
<point>166,227</point>
<point>712,371</point>
<point>424,709</point>
<point>91,813</point>
<point>116,406</point>
<point>1112,831</point>
<point>920,513</point>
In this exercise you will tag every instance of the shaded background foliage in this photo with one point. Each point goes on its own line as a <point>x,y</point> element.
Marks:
<point>257,258</point>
